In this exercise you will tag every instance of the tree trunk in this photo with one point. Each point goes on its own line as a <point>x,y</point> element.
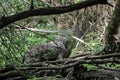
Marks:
<point>112,35</point>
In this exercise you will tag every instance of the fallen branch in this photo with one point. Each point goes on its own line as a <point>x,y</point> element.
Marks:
<point>6,20</point>
<point>79,62</point>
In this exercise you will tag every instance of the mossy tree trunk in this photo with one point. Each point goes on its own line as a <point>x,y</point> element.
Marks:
<point>112,36</point>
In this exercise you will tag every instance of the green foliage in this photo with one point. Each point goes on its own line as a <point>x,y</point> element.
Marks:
<point>14,43</point>
<point>93,41</point>
<point>76,1</point>
<point>63,1</point>
<point>12,46</point>
<point>35,38</point>
<point>117,66</point>
<point>35,79</point>
<point>90,67</point>
<point>74,50</point>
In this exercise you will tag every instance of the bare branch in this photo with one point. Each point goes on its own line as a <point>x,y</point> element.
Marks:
<point>48,11</point>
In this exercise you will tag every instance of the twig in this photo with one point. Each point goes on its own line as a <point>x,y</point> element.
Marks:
<point>83,42</point>
<point>41,30</point>
<point>108,68</point>
<point>70,65</point>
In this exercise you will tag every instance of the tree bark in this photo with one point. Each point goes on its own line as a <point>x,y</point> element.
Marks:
<point>112,35</point>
